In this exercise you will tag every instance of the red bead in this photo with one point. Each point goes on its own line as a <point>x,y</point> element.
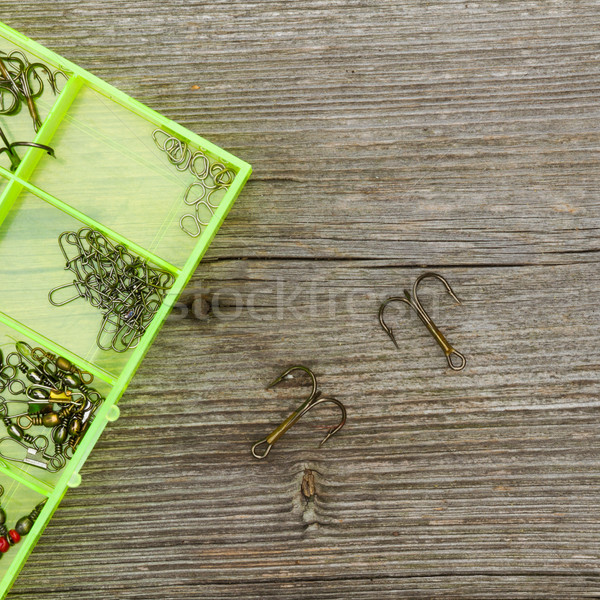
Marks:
<point>4,545</point>
<point>14,536</point>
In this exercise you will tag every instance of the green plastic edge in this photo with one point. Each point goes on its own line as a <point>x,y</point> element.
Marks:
<point>57,349</point>
<point>120,97</point>
<point>244,171</point>
<point>73,212</point>
<point>49,127</point>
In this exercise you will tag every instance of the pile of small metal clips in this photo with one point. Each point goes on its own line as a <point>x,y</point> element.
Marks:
<point>22,82</point>
<point>51,393</point>
<point>122,285</point>
<point>210,180</point>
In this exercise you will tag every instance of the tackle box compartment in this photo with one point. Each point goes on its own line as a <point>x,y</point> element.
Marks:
<point>109,174</point>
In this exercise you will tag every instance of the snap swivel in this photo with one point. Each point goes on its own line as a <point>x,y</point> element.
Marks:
<point>35,455</point>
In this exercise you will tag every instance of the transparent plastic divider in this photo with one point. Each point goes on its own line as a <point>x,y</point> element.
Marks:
<point>9,194</point>
<point>49,127</point>
<point>86,220</point>
<point>3,475</point>
<point>49,345</point>
<point>37,486</point>
<point>6,173</point>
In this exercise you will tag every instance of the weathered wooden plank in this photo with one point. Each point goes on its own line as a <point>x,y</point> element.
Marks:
<point>475,587</point>
<point>453,135</point>
<point>489,472</point>
<point>385,137</point>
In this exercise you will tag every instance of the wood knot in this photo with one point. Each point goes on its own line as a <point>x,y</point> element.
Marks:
<point>308,484</point>
<point>201,307</point>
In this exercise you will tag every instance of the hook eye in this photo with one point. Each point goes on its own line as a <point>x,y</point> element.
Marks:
<point>456,366</point>
<point>258,444</point>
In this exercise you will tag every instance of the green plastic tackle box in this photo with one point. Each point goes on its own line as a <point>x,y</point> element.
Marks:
<point>108,174</point>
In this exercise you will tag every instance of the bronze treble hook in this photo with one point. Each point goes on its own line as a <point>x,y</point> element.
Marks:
<point>313,400</point>
<point>415,304</point>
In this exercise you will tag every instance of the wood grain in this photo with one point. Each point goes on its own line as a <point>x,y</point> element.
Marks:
<point>386,138</point>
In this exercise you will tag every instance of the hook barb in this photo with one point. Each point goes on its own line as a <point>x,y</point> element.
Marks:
<point>335,428</point>
<point>383,324</point>
<point>432,275</point>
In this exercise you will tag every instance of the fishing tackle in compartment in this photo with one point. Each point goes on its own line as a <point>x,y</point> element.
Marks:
<point>125,288</point>
<point>22,83</point>
<point>15,159</point>
<point>211,181</point>
<point>49,396</point>
<point>10,537</point>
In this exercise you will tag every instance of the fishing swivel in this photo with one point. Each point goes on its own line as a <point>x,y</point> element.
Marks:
<point>456,360</point>
<point>313,400</point>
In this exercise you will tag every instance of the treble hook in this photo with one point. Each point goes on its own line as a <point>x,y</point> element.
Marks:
<point>415,304</point>
<point>313,400</point>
